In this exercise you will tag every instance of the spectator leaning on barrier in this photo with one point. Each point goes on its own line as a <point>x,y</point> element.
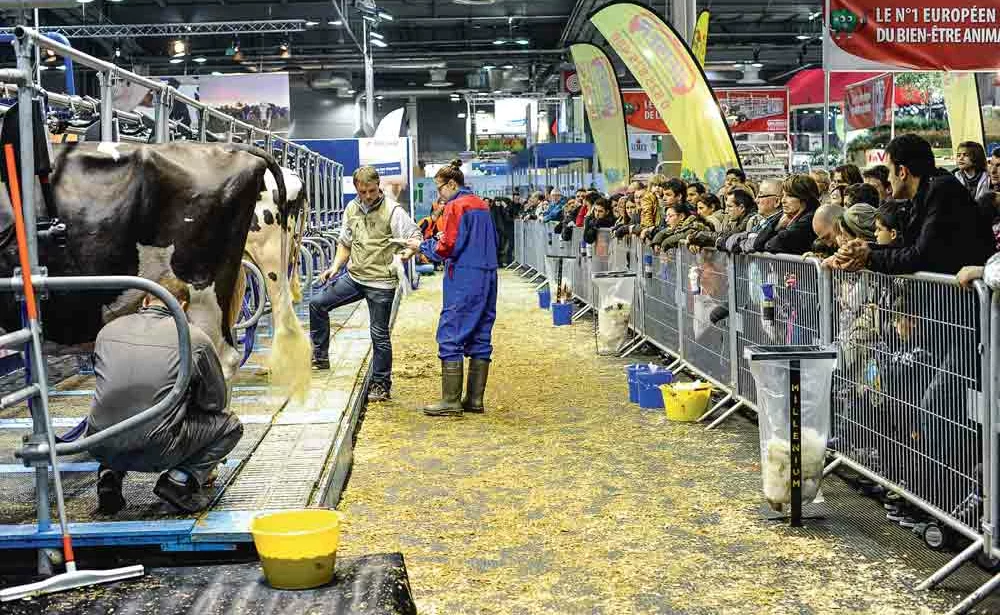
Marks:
<point>710,210</point>
<point>600,218</point>
<point>768,212</point>
<point>681,222</point>
<point>971,159</point>
<point>878,177</point>
<point>556,204</point>
<point>858,222</point>
<point>741,213</point>
<point>824,224</point>
<point>943,233</point>
<point>890,220</point>
<point>673,192</point>
<point>793,232</point>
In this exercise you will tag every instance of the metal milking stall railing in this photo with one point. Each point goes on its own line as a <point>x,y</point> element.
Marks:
<point>326,194</point>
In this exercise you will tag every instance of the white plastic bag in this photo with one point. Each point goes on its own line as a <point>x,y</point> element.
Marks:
<point>772,382</point>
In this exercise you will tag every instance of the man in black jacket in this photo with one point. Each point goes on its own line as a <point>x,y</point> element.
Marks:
<point>943,233</point>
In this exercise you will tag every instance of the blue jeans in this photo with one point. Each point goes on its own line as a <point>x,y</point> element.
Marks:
<point>342,292</point>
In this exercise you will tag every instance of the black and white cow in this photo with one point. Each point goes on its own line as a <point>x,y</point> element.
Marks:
<point>148,210</point>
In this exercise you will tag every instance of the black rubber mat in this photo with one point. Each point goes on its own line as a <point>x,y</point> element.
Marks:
<point>366,585</point>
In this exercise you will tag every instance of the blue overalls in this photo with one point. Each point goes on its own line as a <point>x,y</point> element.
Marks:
<point>468,250</point>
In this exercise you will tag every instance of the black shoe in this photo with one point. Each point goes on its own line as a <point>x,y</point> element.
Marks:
<point>185,496</point>
<point>109,491</point>
<point>378,393</point>
<point>321,364</point>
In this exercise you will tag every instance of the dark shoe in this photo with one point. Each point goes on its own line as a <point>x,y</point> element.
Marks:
<point>109,491</point>
<point>377,392</point>
<point>321,364</point>
<point>451,391</point>
<point>186,496</point>
<point>475,388</point>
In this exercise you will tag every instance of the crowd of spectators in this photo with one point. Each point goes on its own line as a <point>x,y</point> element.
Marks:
<point>902,217</point>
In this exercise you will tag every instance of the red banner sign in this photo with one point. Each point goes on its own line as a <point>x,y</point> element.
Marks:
<point>869,103</point>
<point>944,35</point>
<point>746,110</point>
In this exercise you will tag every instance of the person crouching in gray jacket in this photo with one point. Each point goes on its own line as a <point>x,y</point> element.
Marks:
<point>136,362</point>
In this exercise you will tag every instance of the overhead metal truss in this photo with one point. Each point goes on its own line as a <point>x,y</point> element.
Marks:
<point>203,28</point>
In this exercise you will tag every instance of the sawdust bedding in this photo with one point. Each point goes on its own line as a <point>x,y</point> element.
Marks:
<point>563,498</point>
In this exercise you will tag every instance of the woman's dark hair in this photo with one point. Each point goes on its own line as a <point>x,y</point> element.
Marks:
<point>977,154</point>
<point>879,172</point>
<point>913,152</point>
<point>862,193</point>
<point>892,215</point>
<point>850,173</point>
<point>803,188</point>
<point>699,187</point>
<point>837,188</point>
<point>744,199</point>
<point>712,202</point>
<point>738,173</point>
<point>451,171</point>
<point>677,186</point>
<point>681,208</point>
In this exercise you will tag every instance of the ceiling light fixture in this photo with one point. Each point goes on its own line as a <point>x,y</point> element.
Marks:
<point>507,67</point>
<point>522,41</point>
<point>803,37</point>
<point>118,52</point>
<point>379,43</point>
<point>500,41</point>
<point>377,35</point>
<point>84,1</point>
<point>352,91</point>
<point>178,48</point>
<point>335,23</point>
<point>488,67</point>
<point>385,16</point>
<point>380,97</point>
<point>756,65</point>
<point>216,73</point>
<point>199,59</point>
<point>284,51</point>
<point>815,16</point>
<point>311,22</point>
<point>176,60</point>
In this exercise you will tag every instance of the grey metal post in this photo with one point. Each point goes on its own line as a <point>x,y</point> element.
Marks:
<point>369,80</point>
<point>824,278</point>
<point>161,115</point>
<point>232,129</point>
<point>107,106</point>
<point>203,117</point>
<point>25,94</point>
<point>734,347</point>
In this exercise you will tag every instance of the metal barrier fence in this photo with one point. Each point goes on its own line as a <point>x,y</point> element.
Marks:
<point>915,389</point>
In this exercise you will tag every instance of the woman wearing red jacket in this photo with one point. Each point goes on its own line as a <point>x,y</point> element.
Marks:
<point>468,249</point>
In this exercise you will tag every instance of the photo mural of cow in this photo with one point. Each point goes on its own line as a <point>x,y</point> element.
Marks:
<point>148,210</point>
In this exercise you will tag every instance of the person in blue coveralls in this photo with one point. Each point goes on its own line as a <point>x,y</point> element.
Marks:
<point>468,249</point>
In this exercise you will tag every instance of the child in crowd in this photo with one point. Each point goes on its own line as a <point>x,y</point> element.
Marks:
<point>890,219</point>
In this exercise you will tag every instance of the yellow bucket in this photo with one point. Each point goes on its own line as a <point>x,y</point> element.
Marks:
<point>297,548</point>
<point>686,401</point>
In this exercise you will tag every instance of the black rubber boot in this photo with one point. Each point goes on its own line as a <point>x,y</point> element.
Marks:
<point>451,391</point>
<point>479,372</point>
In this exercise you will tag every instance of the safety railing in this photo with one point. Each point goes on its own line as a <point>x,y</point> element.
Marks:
<point>918,375</point>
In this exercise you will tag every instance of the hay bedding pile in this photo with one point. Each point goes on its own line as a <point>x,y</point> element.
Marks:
<point>565,499</point>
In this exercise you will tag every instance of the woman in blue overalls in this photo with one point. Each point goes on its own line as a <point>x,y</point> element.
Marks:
<point>468,249</point>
